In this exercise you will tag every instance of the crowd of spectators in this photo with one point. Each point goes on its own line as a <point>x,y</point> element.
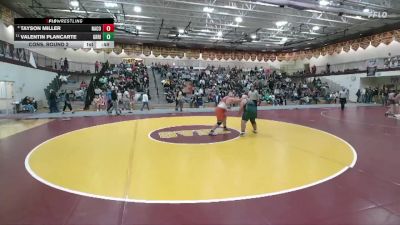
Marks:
<point>375,95</point>
<point>121,86</point>
<point>211,83</point>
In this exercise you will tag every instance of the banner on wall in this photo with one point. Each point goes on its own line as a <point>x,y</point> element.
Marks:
<point>391,62</point>
<point>371,67</point>
<point>32,61</point>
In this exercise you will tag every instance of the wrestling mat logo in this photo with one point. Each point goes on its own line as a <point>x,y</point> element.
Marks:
<point>192,134</point>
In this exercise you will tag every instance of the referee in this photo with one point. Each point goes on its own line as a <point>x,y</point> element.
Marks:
<point>342,98</point>
<point>253,95</point>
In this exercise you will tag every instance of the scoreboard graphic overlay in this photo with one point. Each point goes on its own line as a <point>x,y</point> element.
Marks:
<point>64,33</point>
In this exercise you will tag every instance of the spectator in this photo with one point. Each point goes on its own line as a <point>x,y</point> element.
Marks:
<point>126,101</point>
<point>114,103</point>
<point>61,64</point>
<point>28,104</point>
<point>179,100</point>
<point>99,102</point>
<point>67,103</point>
<point>66,65</point>
<point>217,98</point>
<point>358,94</point>
<point>53,101</point>
<point>145,101</point>
<point>83,85</point>
<point>96,66</point>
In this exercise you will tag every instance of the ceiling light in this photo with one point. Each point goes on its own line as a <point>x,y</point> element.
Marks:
<point>366,10</point>
<point>284,40</point>
<point>238,19</point>
<point>110,4</point>
<point>324,2</point>
<point>281,23</point>
<point>138,27</point>
<point>230,6</point>
<point>208,9</point>
<point>315,28</point>
<point>74,3</point>
<point>355,17</point>
<point>137,9</point>
<point>253,36</point>
<point>313,11</point>
<point>267,4</point>
<point>181,31</point>
<point>219,34</point>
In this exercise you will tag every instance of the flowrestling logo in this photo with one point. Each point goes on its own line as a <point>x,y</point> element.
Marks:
<point>192,134</point>
<point>377,14</point>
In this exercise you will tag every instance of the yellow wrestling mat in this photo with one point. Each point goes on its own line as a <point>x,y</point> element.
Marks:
<point>173,160</point>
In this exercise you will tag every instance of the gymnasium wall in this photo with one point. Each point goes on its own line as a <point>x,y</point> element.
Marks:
<point>351,82</point>
<point>27,81</point>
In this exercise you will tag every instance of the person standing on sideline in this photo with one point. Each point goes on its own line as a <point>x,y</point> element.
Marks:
<point>248,110</point>
<point>96,67</point>
<point>53,101</point>
<point>385,96</point>
<point>61,62</point>
<point>358,95</point>
<point>179,100</point>
<point>114,102</point>
<point>66,65</point>
<point>126,101</point>
<point>145,101</point>
<point>67,103</point>
<point>342,98</point>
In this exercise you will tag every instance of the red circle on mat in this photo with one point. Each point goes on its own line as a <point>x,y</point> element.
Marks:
<point>193,134</point>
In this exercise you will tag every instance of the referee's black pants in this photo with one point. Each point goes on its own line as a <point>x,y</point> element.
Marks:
<point>342,103</point>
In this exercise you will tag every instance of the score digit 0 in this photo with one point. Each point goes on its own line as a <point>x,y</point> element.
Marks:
<point>108,27</point>
<point>108,36</point>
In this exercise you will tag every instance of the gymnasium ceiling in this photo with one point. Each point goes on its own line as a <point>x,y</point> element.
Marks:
<point>261,25</point>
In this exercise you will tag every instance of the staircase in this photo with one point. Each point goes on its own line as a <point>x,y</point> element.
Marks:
<point>333,86</point>
<point>55,85</point>
<point>155,87</point>
<point>74,82</point>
